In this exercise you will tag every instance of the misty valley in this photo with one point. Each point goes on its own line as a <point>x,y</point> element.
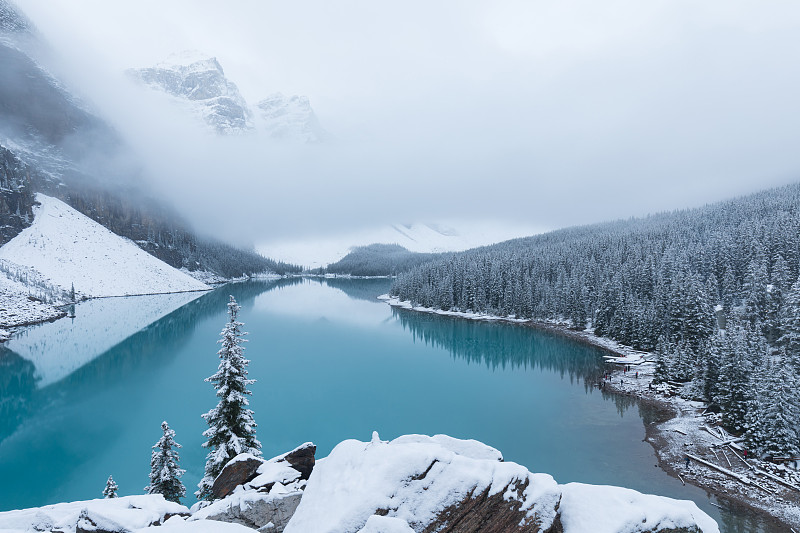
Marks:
<point>474,267</point>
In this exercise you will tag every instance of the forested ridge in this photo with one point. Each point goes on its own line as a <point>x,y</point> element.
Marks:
<point>378,260</point>
<point>713,291</point>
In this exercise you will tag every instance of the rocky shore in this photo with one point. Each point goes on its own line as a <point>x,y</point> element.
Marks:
<point>414,483</point>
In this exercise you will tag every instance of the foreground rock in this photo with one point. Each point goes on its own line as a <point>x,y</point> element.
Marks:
<point>115,515</point>
<point>260,494</point>
<point>414,483</point>
<point>425,484</point>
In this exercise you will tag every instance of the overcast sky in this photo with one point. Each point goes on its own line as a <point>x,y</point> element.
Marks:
<point>540,113</point>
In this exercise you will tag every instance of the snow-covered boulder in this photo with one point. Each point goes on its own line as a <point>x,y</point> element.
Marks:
<point>67,248</point>
<point>260,494</point>
<point>419,483</point>
<point>178,524</point>
<point>113,515</point>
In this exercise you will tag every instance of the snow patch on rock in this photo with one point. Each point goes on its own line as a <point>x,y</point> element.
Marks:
<point>116,514</point>
<point>411,482</point>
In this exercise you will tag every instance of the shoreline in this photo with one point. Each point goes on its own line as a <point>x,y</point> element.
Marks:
<point>680,429</point>
<point>57,311</point>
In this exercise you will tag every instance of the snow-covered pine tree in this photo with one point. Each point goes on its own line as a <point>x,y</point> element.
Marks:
<point>111,488</point>
<point>735,391</point>
<point>164,470</point>
<point>775,432</point>
<point>231,427</point>
<point>790,326</point>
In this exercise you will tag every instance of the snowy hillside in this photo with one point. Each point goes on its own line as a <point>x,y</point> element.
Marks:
<point>423,238</point>
<point>198,82</point>
<point>66,248</point>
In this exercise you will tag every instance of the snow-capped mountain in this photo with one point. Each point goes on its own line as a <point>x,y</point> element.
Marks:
<point>54,143</point>
<point>290,118</point>
<point>198,82</point>
<point>198,79</point>
<point>418,237</point>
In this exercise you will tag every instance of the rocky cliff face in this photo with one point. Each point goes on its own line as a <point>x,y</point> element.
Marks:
<point>201,82</point>
<point>16,196</point>
<point>198,82</point>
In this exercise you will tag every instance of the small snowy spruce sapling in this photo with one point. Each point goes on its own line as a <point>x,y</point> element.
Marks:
<point>231,427</point>
<point>111,488</point>
<point>164,470</point>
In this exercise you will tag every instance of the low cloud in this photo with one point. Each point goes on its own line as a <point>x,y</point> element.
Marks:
<point>539,113</point>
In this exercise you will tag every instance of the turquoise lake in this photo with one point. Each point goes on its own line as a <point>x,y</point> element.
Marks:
<point>84,398</point>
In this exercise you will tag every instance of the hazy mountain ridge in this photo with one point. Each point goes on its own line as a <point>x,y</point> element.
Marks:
<point>201,81</point>
<point>290,117</point>
<point>51,142</point>
<point>378,260</point>
<point>418,238</point>
<point>198,81</point>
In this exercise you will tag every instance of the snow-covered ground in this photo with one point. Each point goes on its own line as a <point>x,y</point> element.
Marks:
<point>433,237</point>
<point>114,514</point>
<point>59,348</point>
<point>17,307</point>
<point>66,248</point>
<point>396,302</point>
<point>694,432</point>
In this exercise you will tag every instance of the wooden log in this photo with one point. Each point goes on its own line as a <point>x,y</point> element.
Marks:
<point>751,467</point>
<point>682,481</point>
<point>725,455</point>
<point>726,442</point>
<point>778,479</point>
<point>708,429</point>
<point>679,431</point>
<point>722,469</point>
<point>715,453</point>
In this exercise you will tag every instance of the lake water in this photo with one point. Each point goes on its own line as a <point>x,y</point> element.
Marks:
<point>84,398</point>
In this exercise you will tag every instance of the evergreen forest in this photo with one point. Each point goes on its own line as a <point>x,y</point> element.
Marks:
<point>712,291</point>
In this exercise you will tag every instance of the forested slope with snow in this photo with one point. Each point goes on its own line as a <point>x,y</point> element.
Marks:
<point>668,283</point>
<point>67,248</point>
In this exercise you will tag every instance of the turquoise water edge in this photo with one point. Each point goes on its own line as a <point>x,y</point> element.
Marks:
<point>332,363</point>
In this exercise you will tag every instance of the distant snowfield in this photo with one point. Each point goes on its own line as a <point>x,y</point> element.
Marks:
<point>68,248</point>
<point>431,237</point>
<point>59,348</point>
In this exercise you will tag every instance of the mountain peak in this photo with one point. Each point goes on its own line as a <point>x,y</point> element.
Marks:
<point>199,78</point>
